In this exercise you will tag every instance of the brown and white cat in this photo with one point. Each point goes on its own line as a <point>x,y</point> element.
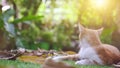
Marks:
<point>92,50</point>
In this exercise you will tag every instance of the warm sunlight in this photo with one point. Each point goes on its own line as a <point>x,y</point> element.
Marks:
<point>98,3</point>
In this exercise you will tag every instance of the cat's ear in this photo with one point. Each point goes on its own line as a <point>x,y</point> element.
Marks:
<point>80,27</point>
<point>100,30</point>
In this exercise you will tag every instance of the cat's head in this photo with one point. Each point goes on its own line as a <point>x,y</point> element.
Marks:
<point>91,35</point>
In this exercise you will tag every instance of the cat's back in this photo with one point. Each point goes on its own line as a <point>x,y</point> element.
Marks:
<point>108,53</point>
<point>111,48</point>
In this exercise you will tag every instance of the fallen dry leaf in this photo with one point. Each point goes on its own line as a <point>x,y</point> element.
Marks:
<point>8,55</point>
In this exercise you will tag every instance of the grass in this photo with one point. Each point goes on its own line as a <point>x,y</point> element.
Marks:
<point>17,64</point>
<point>20,64</point>
<point>87,66</point>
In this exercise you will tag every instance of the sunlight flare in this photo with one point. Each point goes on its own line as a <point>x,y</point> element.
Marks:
<point>99,3</point>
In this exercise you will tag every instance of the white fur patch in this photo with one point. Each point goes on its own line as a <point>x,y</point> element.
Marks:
<point>85,62</point>
<point>87,52</point>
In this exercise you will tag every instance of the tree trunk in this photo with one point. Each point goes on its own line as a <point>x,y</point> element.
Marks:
<point>6,43</point>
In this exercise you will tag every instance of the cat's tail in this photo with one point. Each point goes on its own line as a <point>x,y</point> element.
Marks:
<point>50,63</point>
<point>117,65</point>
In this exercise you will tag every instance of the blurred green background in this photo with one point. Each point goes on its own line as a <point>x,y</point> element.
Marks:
<point>49,24</point>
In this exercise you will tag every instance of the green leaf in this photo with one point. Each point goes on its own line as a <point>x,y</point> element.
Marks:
<point>44,45</point>
<point>1,22</point>
<point>27,18</point>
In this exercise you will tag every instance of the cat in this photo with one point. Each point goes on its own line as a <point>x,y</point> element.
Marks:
<point>92,50</point>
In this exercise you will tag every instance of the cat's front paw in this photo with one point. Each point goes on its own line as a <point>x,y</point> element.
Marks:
<point>84,62</point>
<point>79,63</point>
